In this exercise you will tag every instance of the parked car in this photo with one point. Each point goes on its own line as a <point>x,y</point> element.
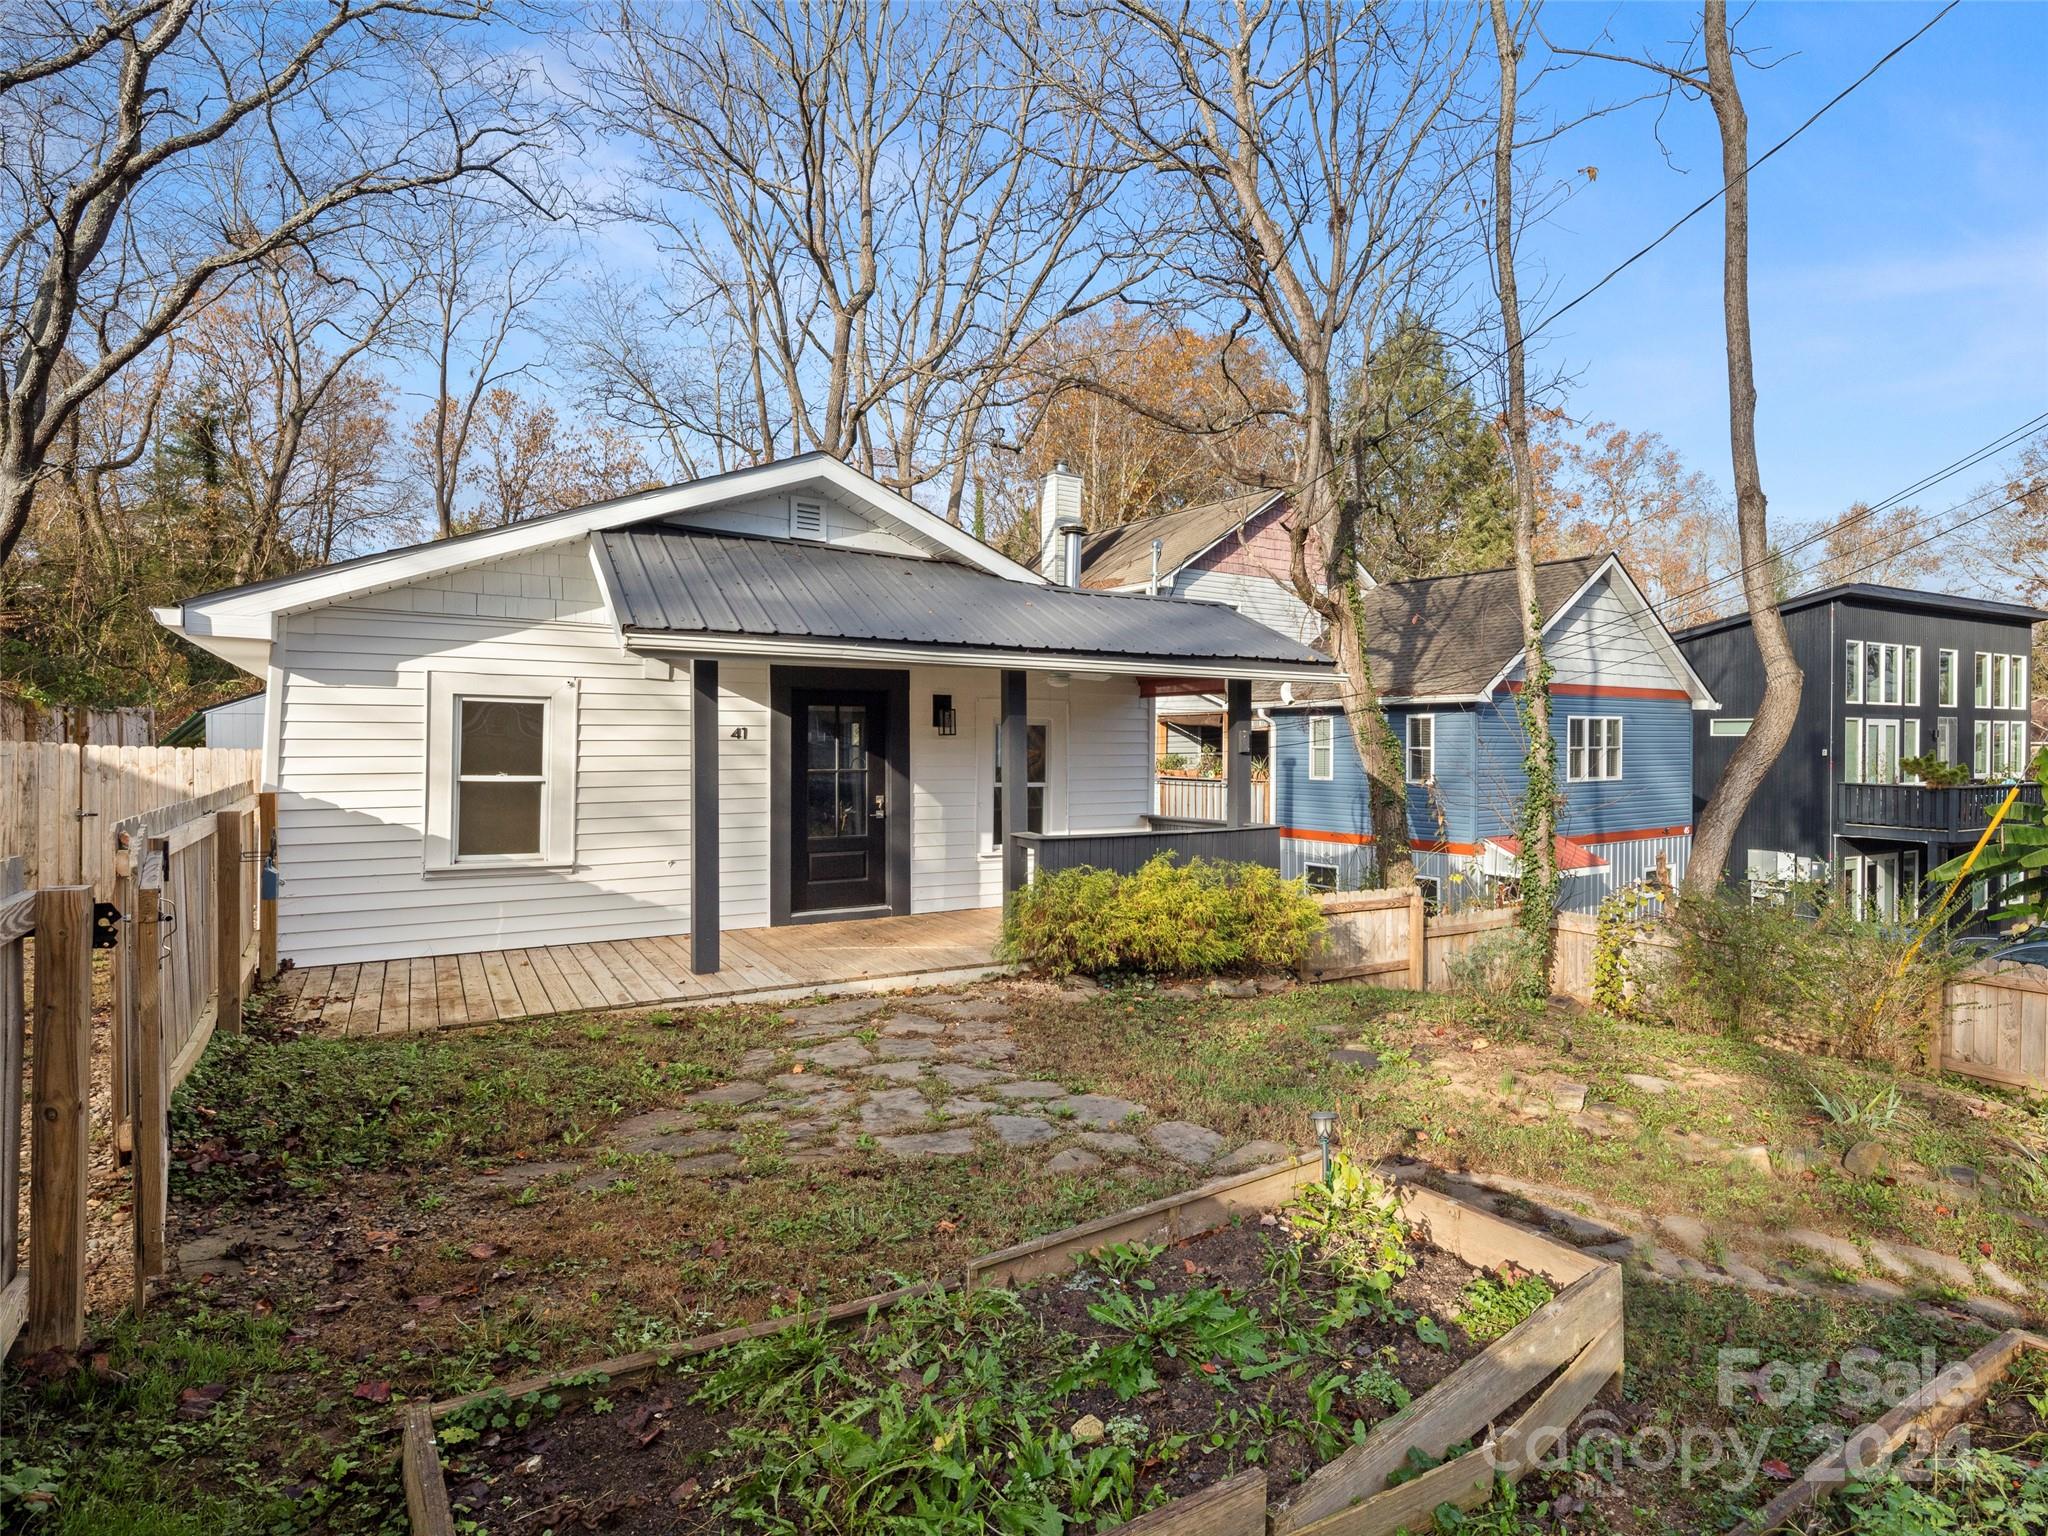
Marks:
<point>2030,948</point>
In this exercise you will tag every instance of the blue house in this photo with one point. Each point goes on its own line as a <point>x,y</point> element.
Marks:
<point>1447,656</point>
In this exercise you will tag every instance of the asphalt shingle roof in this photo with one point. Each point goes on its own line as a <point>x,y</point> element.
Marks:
<point>1449,636</point>
<point>687,581</point>
<point>1122,556</point>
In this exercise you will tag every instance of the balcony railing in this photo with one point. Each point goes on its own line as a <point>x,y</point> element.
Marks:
<point>1956,809</point>
<point>1187,798</point>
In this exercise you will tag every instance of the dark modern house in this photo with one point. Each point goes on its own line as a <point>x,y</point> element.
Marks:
<point>1891,675</point>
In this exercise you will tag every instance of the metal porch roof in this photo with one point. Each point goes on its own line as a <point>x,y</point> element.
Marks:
<point>681,581</point>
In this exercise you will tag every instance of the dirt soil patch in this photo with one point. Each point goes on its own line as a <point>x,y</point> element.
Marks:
<point>1143,1376</point>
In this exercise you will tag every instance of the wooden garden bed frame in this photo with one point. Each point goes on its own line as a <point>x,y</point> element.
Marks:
<point>1569,1349</point>
<point>1924,1418</point>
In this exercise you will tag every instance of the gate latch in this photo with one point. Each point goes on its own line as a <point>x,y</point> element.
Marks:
<point>106,925</point>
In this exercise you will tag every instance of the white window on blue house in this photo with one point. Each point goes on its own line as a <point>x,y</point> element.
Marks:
<point>1421,749</point>
<point>1593,747</point>
<point>1322,754</point>
<point>1320,877</point>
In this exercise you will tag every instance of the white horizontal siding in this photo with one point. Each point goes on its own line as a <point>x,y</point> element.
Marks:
<point>768,517</point>
<point>352,770</point>
<point>352,774</point>
<point>1603,639</point>
<point>1256,597</point>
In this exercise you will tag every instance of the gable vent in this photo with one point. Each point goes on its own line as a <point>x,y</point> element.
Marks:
<point>807,520</point>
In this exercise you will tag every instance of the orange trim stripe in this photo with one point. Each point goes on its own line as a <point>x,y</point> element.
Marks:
<point>1604,691</point>
<point>1364,839</point>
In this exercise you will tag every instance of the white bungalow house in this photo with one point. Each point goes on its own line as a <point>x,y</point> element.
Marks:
<point>771,697</point>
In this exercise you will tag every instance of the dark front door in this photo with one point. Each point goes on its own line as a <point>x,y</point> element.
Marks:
<point>839,785</point>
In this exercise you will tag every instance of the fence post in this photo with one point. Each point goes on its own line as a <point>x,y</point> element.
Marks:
<point>1418,941</point>
<point>121,1027</point>
<point>57,1143</point>
<point>152,1106</point>
<point>13,1062</point>
<point>227,919</point>
<point>266,875</point>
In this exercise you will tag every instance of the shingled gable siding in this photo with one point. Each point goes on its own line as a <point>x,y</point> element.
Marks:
<point>353,760</point>
<point>1251,574</point>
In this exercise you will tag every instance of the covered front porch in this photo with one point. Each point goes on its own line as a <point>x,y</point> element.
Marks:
<point>756,965</point>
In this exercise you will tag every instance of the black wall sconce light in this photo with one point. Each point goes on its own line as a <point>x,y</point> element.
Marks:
<point>944,720</point>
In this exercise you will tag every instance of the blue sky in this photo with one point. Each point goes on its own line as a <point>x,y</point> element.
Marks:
<point>1899,247</point>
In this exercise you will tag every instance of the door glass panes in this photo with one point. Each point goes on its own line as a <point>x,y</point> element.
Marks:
<point>500,777</point>
<point>836,770</point>
<point>1034,776</point>
<point>1880,751</point>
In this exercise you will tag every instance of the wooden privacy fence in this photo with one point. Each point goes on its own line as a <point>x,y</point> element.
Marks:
<point>196,884</point>
<point>60,803</point>
<point>42,1301</point>
<point>1996,1026</point>
<point>1392,934</point>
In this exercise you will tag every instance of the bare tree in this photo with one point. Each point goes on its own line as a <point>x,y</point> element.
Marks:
<point>872,212</point>
<point>1317,153</point>
<point>483,269</point>
<point>281,345</point>
<point>115,121</point>
<point>1714,832</point>
<point>1538,810</point>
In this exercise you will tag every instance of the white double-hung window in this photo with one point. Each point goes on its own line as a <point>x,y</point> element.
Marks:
<point>1322,747</point>
<point>1592,747</point>
<point>501,772</point>
<point>1421,749</point>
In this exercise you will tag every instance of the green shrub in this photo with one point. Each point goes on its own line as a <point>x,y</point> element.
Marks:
<point>1167,919</point>
<point>1499,977</point>
<point>1803,971</point>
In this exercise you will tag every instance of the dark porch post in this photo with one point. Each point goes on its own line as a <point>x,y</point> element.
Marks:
<point>703,816</point>
<point>1237,754</point>
<point>1014,741</point>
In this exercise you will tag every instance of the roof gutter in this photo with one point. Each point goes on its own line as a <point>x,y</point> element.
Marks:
<point>1236,669</point>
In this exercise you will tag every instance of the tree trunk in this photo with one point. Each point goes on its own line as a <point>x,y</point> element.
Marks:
<point>1538,818</point>
<point>1714,836</point>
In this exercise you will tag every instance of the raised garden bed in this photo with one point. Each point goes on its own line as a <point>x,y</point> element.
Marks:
<point>1994,1404</point>
<point>1289,1374</point>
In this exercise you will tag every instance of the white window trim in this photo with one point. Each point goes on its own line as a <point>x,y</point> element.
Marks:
<point>1309,866</point>
<point>1408,750</point>
<point>1612,739</point>
<point>1328,747</point>
<point>445,691</point>
<point>1852,677</point>
<point>1730,725</point>
<point>1852,749</point>
<point>1909,671</point>
<point>1982,681</point>
<point>1053,716</point>
<point>1980,750</point>
<point>1946,688</point>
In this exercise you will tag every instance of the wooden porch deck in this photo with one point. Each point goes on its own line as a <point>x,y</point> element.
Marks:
<point>759,964</point>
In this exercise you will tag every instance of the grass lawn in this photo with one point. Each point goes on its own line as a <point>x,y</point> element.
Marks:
<point>403,1225</point>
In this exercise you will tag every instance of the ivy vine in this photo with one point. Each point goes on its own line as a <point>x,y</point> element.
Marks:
<point>1536,818</point>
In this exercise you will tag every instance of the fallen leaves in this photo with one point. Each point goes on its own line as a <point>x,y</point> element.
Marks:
<point>378,1391</point>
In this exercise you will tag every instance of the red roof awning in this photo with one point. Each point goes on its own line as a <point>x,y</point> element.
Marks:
<point>1572,858</point>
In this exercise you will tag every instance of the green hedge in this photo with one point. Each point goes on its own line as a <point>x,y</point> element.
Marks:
<point>1167,919</point>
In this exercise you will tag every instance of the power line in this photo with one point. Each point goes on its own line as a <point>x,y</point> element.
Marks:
<point>1705,203</point>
